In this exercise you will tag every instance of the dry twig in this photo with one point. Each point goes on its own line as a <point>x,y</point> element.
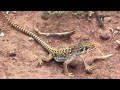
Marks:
<point>62,34</point>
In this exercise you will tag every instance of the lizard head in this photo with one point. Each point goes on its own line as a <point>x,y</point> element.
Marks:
<point>86,45</point>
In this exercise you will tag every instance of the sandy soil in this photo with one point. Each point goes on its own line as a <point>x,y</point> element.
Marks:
<point>17,53</point>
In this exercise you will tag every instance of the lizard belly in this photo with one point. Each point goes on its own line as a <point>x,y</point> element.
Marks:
<point>60,58</point>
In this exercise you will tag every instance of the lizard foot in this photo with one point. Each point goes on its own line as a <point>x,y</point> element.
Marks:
<point>70,74</point>
<point>38,62</point>
<point>89,69</point>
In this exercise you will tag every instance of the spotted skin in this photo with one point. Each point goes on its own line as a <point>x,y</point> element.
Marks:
<point>65,55</point>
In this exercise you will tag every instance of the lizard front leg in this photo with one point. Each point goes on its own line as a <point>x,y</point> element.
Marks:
<point>88,68</point>
<point>65,67</point>
<point>40,59</point>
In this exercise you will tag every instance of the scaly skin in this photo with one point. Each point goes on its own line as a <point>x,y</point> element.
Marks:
<point>65,55</point>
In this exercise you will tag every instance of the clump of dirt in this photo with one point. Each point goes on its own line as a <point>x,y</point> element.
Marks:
<point>18,64</point>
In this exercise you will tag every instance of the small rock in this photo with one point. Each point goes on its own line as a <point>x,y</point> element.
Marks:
<point>104,36</point>
<point>7,12</point>
<point>90,13</point>
<point>14,11</point>
<point>107,19</point>
<point>2,34</point>
<point>118,28</point>
<point>30,39</point>
<point>118,42</point>
<point>111,29</point>
<point>115,32</point>
<point>3,40</point>
<point>12,54</point>
<point>14,58</point>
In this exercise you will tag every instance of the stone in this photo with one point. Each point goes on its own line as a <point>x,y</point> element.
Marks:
<point>104,36</point>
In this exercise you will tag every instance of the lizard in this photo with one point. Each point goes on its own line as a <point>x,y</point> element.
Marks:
<point>65,55</point>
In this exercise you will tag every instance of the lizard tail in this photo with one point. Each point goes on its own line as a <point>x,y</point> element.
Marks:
<point>45,45</point>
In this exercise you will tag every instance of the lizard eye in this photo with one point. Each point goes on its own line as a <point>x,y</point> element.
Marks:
<point>86,48</point>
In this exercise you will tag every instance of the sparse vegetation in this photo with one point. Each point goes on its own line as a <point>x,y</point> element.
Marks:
<point>18,51</point>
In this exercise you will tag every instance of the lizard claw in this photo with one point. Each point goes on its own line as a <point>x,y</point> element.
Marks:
<point>70,74</point>
<point>89,69</point>
<point>38,62</point>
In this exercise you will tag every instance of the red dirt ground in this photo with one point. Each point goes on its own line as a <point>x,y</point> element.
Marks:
<point>19,66</point>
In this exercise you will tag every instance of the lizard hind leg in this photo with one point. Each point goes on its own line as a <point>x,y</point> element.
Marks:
<point>88,68</point>
<point>65,67</point>
<point>40,59</point>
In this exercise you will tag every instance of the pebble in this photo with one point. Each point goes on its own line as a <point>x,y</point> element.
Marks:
<point>115,32</point>
<point>14,58</point>
<point>2,34</point>
<point>118,28</point>
<point>104,36</point>
<point>118,42</point>
<point>30,39</point>
<point>12,54</point>
<point>7,12</point>
<point>111,29</point>
<point>107,19</point>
